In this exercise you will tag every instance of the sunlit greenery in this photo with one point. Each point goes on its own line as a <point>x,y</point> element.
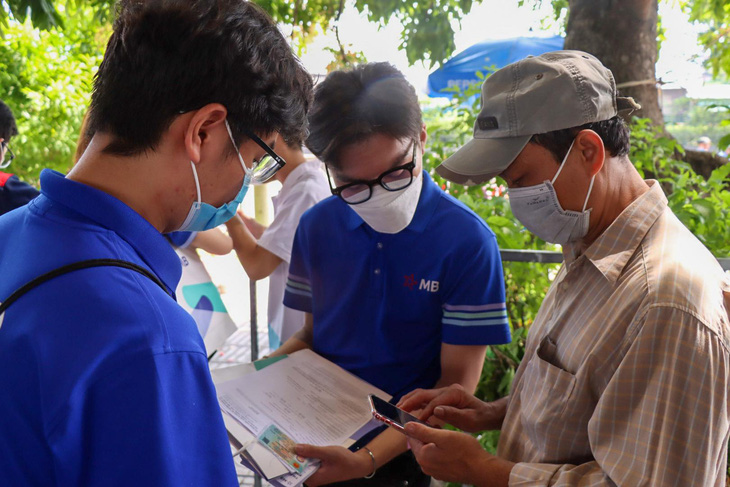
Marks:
<point>46,80</point>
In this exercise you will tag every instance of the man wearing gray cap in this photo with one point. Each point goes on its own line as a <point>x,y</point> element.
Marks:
<point>625,375</point>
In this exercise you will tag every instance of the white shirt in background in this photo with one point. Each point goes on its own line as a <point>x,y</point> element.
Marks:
<point>305,186</point>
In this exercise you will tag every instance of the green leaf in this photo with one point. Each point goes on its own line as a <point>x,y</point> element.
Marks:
<point>500,221</point>
<point>724,141</point>
<point>705,208</point>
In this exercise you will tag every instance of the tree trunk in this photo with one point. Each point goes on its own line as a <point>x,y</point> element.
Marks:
<point>622,34</point>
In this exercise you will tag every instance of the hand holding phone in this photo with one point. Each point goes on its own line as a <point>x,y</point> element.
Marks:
<point>389,414</point>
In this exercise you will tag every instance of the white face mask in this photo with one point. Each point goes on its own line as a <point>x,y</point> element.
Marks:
<point>390,211</point>
<point>538,209</point>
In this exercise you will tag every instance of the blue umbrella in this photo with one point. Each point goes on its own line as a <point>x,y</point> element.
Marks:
<point>461,69</point>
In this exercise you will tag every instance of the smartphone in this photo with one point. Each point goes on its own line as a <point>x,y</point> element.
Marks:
<point>389,414</point>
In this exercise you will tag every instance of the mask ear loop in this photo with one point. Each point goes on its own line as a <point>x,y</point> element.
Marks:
<point>590,188</point>
<point>248,172</point>
<point>563,163</point>
<point>197,181</point>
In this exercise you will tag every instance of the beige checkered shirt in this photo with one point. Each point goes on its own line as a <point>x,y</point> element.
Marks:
<point>625,375</point>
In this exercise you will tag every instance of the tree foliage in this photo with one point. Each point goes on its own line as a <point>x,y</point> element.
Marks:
<point>427,26</point>
<point>715,14</point>
<point>46,81</point>
<point>427,32</point>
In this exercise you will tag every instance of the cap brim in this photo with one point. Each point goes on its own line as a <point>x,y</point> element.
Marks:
<point>479,160</point>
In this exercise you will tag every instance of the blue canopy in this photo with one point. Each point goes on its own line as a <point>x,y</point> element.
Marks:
<point>460,70</point>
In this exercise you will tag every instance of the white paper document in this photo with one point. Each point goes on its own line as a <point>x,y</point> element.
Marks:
<point>309,397</point>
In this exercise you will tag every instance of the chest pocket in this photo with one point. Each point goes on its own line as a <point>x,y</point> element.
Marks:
<point>547,398</point>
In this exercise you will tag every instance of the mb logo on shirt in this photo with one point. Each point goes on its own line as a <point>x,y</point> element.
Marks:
<point>425,285</point>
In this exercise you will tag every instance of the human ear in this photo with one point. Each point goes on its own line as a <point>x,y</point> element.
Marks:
<point>423,136</point>
<point>199,127</point>
<point>591,151</point>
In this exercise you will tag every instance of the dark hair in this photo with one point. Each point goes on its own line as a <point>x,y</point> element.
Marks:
<point>7,122</point>
<point>295,144</point>
<point>614,132</point>
<point>170,56</point>
<point>350,106</point>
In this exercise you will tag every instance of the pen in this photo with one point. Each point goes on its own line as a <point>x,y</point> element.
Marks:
<point>243,448</point>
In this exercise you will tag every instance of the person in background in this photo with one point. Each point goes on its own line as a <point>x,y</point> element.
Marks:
<point>266,251</point>
<point>213,241</point>
<point>624,379</point>
<point>704,144</point>
<point>400,283</point>
<point>104,378</point>
<point>14,193</point>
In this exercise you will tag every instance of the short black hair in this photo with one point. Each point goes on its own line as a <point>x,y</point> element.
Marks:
<point>614,132</point>
<point>8,128</point>
<point>350,106</point>
<point>293,144</point>
<point>165,57</point>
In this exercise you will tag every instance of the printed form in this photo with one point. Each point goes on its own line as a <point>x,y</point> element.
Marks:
<point>309,397</point>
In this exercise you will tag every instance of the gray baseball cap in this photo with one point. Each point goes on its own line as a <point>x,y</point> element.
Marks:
<point>554,91</point>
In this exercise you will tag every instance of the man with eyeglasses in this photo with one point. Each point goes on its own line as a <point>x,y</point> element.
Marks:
<point>14,193</point>
<point>104,378</point>
<point>401,284</point>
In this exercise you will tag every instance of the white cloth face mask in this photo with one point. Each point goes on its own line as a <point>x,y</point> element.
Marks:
<point>390,211</point>
<point>538,209</point>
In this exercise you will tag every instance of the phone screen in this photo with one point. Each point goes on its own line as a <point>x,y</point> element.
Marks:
<point>388,413</point>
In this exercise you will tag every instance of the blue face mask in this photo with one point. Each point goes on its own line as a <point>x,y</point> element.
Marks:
<point>203,216</point>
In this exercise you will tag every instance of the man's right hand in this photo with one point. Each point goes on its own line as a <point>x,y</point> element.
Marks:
<point>457,407</point>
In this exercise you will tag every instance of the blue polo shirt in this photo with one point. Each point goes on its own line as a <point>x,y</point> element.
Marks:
<point>104,379</point>
<point>181,240</point>
<point>383,304</point>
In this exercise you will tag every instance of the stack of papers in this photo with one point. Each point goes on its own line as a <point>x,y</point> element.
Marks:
<point>303,398</point>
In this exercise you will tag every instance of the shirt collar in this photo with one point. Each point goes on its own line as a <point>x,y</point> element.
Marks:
<point>427,202</point>
<point>300,172</point>
<point>614,247</point>
<point>113,214</point>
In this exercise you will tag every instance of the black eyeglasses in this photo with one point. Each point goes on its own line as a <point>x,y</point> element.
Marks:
<point>395,179</point>
<point>265,168</point>
<point>8,155</point>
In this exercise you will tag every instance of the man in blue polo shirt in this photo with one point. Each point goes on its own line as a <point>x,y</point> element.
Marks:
<point>13,192</point>
<point>402,284</point>
<point>103,376</point>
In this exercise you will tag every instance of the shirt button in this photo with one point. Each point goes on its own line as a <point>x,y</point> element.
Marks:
<point>377,271</point>
<point>380,245</point>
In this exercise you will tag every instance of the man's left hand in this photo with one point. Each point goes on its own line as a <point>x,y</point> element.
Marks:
<point>456,457</point>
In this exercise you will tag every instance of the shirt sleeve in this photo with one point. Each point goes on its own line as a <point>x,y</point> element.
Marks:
<point>15,193</point>
<point>278,238</point>
<point>474,310</point>
<point>663,417</point>
<point>152,421</point>
<point>298,291</point>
